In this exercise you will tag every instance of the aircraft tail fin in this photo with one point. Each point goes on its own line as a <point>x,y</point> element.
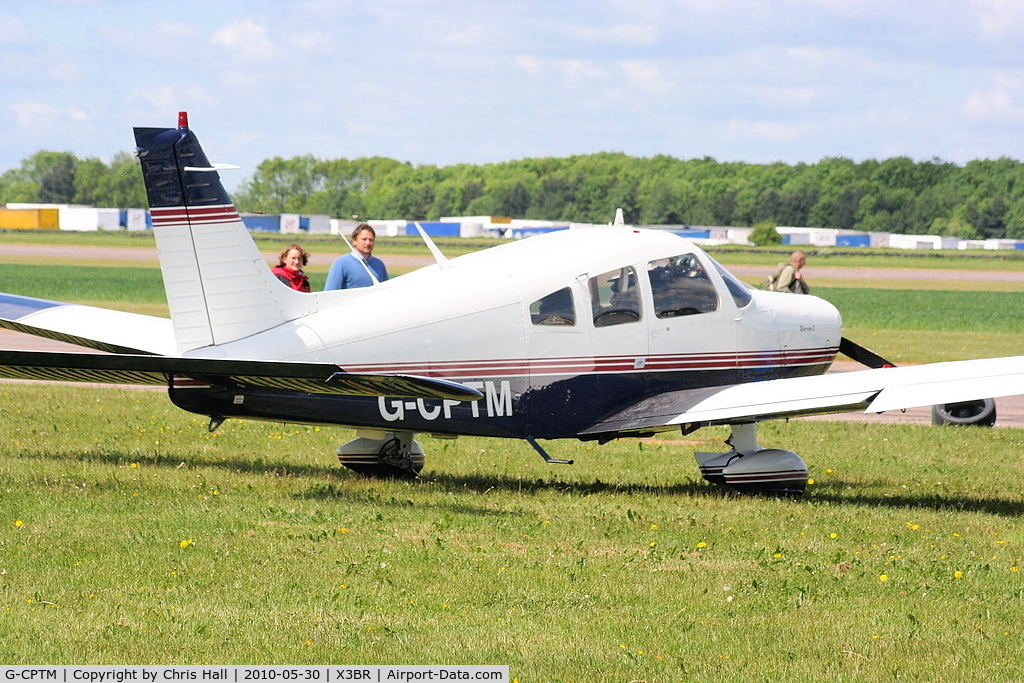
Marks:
<point>219,287</point>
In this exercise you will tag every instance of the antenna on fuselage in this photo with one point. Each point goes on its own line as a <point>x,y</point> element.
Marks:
<point>438,256</point>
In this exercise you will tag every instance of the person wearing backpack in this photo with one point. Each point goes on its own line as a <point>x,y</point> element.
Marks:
<point>788,277</point>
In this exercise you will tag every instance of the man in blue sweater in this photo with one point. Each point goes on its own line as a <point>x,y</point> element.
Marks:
<point>353,269</point>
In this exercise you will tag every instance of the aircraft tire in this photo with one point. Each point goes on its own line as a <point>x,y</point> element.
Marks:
<point>980,413</point>
<point>383,471</point>
<point>382,458</point>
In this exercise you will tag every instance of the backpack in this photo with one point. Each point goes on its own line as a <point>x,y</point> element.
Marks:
<point>769,284</point>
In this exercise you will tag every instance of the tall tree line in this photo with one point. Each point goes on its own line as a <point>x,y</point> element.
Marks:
<point>981,199</point>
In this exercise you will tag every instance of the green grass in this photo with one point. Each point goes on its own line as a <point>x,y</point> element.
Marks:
<point>128,534</point>
<point>911,326</point>
<point>133,289</point>
<point>97,285</point>
<point>963,311</point>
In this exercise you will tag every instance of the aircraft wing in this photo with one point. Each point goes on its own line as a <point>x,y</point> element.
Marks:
<point>95,328</point>
<point>870,391</point>
<point>314,378</point>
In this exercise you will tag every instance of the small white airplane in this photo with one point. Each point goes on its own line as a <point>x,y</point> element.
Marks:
<point>587,333</point>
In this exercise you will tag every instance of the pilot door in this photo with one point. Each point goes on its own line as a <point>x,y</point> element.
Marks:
<point>692,329</point>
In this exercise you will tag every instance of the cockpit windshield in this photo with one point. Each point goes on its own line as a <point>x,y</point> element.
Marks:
<point>738,290</point>
<point>681,286</point>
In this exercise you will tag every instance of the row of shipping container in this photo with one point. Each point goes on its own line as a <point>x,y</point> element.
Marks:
<point>84,218</point>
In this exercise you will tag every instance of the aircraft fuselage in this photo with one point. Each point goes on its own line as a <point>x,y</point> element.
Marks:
<point>556,332</point>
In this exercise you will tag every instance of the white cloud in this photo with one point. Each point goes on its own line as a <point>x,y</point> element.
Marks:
<point>647,78</point>
<point>529,64</point>
<point>616,34</point>
<point>67,72</point>
<point>784,97</point>
<point>744,129</point>
<point>993,105</point>
<point>999,18</point>
<point>165,29</point>
<point>246,40</point>
<point>582,69</point>
<point>172,97</point>
<point>14,30</point>
<point>35,116</point>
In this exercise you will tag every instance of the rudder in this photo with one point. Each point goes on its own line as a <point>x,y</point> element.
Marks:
<point>219,288</point>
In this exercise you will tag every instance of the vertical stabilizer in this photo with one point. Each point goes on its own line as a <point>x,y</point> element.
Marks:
<point>219,288</point>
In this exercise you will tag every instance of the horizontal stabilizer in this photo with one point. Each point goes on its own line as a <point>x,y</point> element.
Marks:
<point>88,326</point>
<point>313,378</point>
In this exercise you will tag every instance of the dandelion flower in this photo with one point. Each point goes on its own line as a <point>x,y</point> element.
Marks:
<point>19,523</point>
<point>883,577</point>
<point>958,574</point>
<point>702,544</point>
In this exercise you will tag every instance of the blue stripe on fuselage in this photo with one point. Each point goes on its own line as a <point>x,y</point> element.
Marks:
<point>14,307</point>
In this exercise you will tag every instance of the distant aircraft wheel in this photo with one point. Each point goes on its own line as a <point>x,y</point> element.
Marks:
<point>980,413</point>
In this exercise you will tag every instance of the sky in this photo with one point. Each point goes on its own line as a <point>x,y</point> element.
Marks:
<point>469,81</point>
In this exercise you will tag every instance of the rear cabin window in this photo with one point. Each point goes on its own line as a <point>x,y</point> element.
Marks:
<point>615,297</point>
<point>554,309</point>
<point>681,286</point>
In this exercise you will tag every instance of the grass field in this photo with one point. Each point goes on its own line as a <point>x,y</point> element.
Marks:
<point>130,534</point>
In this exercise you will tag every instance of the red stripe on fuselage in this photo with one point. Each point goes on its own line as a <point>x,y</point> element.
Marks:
<point>602,365</point>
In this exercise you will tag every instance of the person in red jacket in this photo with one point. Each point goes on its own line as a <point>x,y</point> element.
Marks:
<point>289,267</point>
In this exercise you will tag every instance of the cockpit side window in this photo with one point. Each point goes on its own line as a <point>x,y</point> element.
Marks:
<point>554,309</point>
<point>681,286</point>
<point>615,297</point>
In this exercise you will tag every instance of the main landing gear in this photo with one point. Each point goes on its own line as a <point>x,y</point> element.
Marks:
<point>752,469</point>
<point>386,455</point>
